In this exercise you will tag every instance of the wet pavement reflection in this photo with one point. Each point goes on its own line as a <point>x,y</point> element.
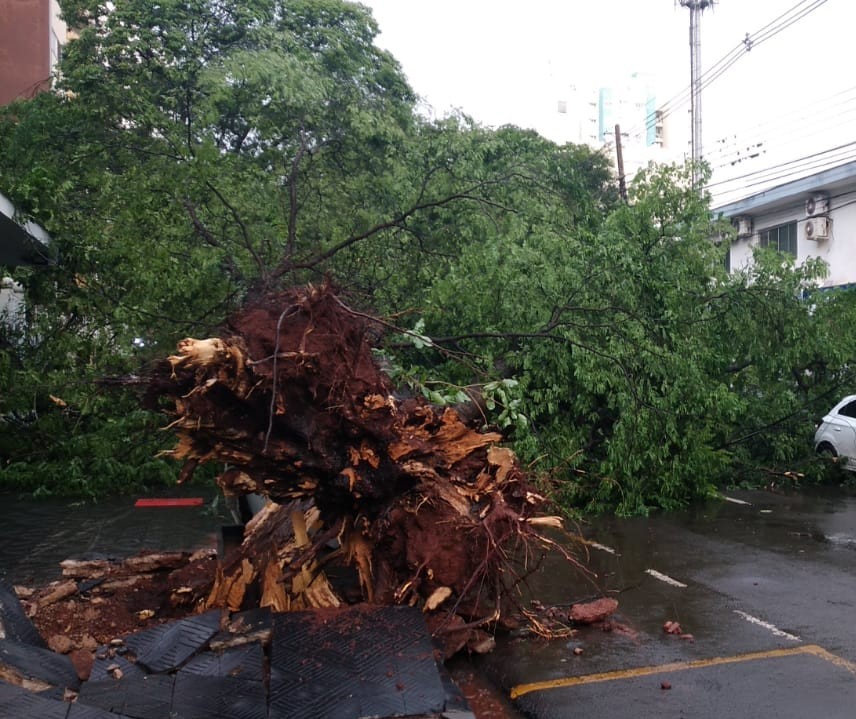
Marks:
<point>761,583</point>
<point>764,583</point>
<point>37,534</point>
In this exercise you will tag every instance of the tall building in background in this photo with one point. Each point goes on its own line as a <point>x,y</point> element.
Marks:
<point>574,117</point>
<point>31,38</point>
<point>645,137</point>
<point>589,115</point>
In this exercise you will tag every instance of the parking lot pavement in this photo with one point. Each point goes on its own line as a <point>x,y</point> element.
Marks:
<point>763,589</point>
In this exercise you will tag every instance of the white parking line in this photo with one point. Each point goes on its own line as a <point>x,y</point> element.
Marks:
<point>771,627</point>
<point>734,500</point>
<point>665,578</point>
<point>602,547</point>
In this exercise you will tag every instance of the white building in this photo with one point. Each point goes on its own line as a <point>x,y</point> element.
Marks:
<point>588,115</point>
<point>813,216</point>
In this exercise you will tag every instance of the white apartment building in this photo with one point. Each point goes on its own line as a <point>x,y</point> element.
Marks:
<point>813,216</point>
<point>587,115</point>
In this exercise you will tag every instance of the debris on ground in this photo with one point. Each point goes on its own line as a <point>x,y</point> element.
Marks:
<point>592,612</point>
<point>671,627</point>
<point>374,496</point>
<point>352,662</point>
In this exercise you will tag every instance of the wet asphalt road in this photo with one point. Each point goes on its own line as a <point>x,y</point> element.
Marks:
<point>764,583</point>
<point>766,588</point>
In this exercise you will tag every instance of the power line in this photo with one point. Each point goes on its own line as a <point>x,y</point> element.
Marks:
<point>784,164</point>
<point>768,31</point>
<point>825,127</point>
<point>775,174</point>
<point>793,127</point>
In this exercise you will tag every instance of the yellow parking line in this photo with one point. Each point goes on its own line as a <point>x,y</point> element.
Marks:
<point>812,649</point>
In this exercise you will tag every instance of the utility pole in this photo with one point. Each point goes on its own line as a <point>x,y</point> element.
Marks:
<point>619,157</point>
<point>696,8</point>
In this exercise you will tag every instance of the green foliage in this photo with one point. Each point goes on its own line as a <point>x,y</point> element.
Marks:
<point>202,152</point>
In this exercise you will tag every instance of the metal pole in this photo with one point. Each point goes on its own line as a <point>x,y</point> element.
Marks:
<point>696,7</point>
<point>619,158</point>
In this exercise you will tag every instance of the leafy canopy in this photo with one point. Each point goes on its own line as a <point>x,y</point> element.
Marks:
<point>199,153</point>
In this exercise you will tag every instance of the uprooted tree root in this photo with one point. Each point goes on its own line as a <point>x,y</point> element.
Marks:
<point>373,497</point>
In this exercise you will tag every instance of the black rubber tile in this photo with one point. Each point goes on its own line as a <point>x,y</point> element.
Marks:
<point>148,697</point>
<point>363,661</point>
<point>22,704</point>
<point>107,659</point>
<point>243,662</point>
<point>14,622</point>
<point>305,700</point>
<point>81,711</point>
<point>39,664</point>
<point>252,619</point>
<point>250,625</point>
<point>200,697</point>
<point>167,647</point>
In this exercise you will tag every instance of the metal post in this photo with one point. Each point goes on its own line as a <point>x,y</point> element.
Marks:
<point>619,158</point>
<point>696,7</point>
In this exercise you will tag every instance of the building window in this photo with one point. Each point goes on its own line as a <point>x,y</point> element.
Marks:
<point>782,238</point>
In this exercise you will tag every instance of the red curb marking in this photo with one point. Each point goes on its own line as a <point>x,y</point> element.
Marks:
<point>170,502</point>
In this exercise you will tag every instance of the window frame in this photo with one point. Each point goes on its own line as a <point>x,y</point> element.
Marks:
<point>772,237</point>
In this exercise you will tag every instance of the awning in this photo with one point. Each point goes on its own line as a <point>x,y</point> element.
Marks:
<point>22,244</point>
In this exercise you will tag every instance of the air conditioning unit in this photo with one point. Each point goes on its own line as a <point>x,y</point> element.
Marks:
<point>817,228</point>
<point>743,225</point>
<point>817,204</point>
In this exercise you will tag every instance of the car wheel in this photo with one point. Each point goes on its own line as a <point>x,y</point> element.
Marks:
<point>824,449</point>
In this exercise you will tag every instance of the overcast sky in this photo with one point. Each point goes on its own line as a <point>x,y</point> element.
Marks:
<point>505,62</point>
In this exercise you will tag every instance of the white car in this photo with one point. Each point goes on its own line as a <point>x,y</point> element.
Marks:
<point>836,433</point>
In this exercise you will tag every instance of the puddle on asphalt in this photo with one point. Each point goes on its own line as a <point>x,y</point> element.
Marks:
<point>841,540</point>
<point>36,535</point>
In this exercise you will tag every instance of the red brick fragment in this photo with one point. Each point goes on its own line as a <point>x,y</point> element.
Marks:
<point>591,612</point>
<point>672,628</point>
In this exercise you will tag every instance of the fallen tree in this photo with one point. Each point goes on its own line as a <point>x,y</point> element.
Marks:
<point>403,498</point>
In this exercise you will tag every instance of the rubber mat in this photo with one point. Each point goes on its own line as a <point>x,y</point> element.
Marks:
<point>39,664</point>
<point>136,697</point>
<point>81,711</point>
<point>23,704</point>
<point>244,662</point>
<point>14,622</point>
<point>198,697</point>
<point>357,662</point>
<point>168,646</point>
<point>107,661</point>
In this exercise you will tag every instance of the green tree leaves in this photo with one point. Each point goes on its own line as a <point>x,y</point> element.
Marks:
<point>201,152</point>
